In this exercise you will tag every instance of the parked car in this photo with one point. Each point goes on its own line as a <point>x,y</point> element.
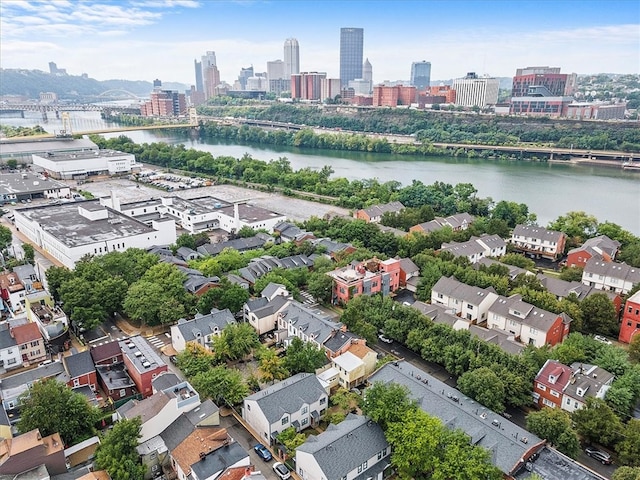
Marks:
<point>384,339</point>
<point>281,470</point>
<point>602,339</point>
<point>599,455</point>
<point>263,452</point>
<point>173,359</point>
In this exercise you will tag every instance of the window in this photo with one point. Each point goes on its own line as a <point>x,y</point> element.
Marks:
<point>548,403</point>
<point>248,407</point>
<point>542,387</point>
<point>568,401</point>
<point>304,410</point>
<point>554,393</point>
<point>323,400</point>
<point>285,420</point>
<point>123,392</point>
<point>304,421</point>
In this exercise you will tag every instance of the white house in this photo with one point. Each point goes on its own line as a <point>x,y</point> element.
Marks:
<point>538,241</point>
<point>304,323</point>
<point>299,402</point>
<point>477,248</point>
<point>200,330</point>
<point>72,230</point>
<point>471,303</point>
<point>354,448</point>
<point>262,313</point>
<point>610,276</point>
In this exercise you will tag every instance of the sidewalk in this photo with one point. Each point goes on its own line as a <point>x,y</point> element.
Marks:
<point>20,236</point>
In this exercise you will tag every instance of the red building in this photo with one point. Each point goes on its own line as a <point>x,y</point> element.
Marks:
<point>630,326</point>
<point>384,96</point>
<point>550,78</point>
<point>307,85</point>
<point>602,248</point>
<point>549,384</point>
<point>365,278</point>
<point>445,91</point>
<point>106,354</point>
<point>81,370</point>
<point>142,363</point>
<point>164,103</point>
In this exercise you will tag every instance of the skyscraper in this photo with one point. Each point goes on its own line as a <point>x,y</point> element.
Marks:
<point>421,75</point>
<point>291,57</point>
<point>474,91</point>
<point>367,74</point>
<point>207,74</point>
<point>351,48</point>
<point>199,78</point>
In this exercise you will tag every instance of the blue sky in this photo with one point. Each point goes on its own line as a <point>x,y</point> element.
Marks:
<point>147,39</point>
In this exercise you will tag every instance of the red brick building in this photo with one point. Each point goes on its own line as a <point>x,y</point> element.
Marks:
<point>602,248</point>
<point>445,91</point>
<point>365,278</point>
<point>81,370</point>
<point>549,384</point>
<point>106,354</point>
<point>142,363</point>
<point>550,78</point>
<point>630,326</point>
<point>164,103</point>
<point>384,96</point>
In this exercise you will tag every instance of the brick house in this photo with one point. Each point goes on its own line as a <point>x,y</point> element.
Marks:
<point>142,362</point>
<point>601,248</point>
<point>630,325</point>
<point>106,354</point>
<point>365,278</point>
<point>30,343</point>
<point>81,370</point>
<point>549,384</point>
<point>374,213</point>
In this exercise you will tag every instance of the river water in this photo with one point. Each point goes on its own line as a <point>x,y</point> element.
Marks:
<point>550,190</point>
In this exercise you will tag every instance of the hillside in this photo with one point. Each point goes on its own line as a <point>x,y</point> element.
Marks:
<point>69,87</point>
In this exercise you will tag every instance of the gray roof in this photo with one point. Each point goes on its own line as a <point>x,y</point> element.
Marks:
<point>4,418</point>
<point>451,287</point>
<point>270,289</point>
<point>261,266</point>
<point>25,272</point>
<point>165,380</point>
<point>342,447</point>
<point>186,253</point>
<point>288,396</point>
<point>6,340</point>
<point>218,460</point>
<point>136,344</point>
<point>407,266</point>
<point>205,324</point>
<point>331,246</point>
<point>339,340</point>
<point>317,327</point>
<point>439,313</point>
<point>602,242</point>
<point>379,210</point>
<point>553,465</point>
<point>562,288</point>
<point>262,307</point>
<point>31,146</point>
<point>535,232</point>
<point>463,249</point>
<point>513,270</point>
<point>106,351</point>
<point>68,226</point>
<point>27,183</point>
<point>239,244</point>
<point>454,221</point>
<point>27,377</point>
<point>202,412</point>
<point>589,378</point>
<point>502,339</point>
<point>115,377</point>
<point>621,271</point>
<point>533,316</point>
<point>78,364</point>
<point>177,431</point>
<point>504,440</point>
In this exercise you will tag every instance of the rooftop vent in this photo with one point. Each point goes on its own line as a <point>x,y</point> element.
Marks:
<point>131,345</point>
<point>146,364</point>
<point>138,353</point>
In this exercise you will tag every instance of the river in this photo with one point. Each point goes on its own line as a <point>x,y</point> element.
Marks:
<point>549,189</point>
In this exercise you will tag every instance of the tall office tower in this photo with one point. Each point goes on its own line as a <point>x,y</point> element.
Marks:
<point>472,91</point>
<point>421,75</point>
<point>351,47</point>
<point>199,78</point>
<point>291,57</point>
<point>211,81</point>
<point>367,74</point>
<point>275,77</point>
<point>548,77</point>
<point>207,61</point>
<point>245,73</point>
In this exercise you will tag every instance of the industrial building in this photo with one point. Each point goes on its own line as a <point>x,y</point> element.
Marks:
<point>22,150</point>
<point>80,165</point>
<point>17,187</point>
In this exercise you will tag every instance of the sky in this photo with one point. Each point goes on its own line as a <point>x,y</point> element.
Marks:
<point>148,39</point>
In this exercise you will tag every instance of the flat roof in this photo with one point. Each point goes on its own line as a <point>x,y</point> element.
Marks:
<point>65,223</point>
<point>84,155</point>
<point>16,183</point>
<point>23,147</point>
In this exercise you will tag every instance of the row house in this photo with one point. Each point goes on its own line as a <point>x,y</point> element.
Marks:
<point>196,283</point>
<point>477,248</point>
<point>239,244</point>
<point>559,386</point>
<point>630,326</point>
<point>262,312</point>
<point>30,450</point>
<point>289,232</point>
<point>80,370</point>
<point>374,213</point>
<point>334,250</point>
<point>50,318</point>
<point>13,386</point>
<point>457,223</point>
<point>600,248</point>
<point>612,276</point>
<point>538,241</point>
<point>142,363</point>
<point>21,344</point>
<point>468,302</point>
<point>296,320</point>
<point>529,324</point>
<point>409,274</point>
<point>258,267</point>
<point>201,330</point>
<point>298,402</point>
<point>365,278</point>
<point>355,448</point>
<point>563,289</point>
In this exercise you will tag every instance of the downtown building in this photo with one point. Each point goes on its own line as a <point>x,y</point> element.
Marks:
<point>307,85</point>
<point>392,96</point>
<point>291,57</point>
<point>351,53</point>
<point>277,82</point>
<point>164,103</point>
<point>474,91</point>
<point>421,75</point>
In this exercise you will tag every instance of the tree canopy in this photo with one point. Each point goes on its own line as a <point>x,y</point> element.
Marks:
<point>117,452</point>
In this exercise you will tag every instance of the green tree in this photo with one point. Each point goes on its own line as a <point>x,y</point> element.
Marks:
<point>626,473</point>
<point>303,357</point>
<point>117,452</point>
<point>634,349</point>
<point>320,285</point>
<point>5,237</point>
<point>12,163</point>
<point>578,226</point>
<point>236,341</point>
<point>56,276</point>
<point>599,315</point>
<point>596,422</point>
<point>571,274</point>
<point>233,297</point>
<point>386,403</point>
<point>223,385</point>
<point>485,387</point>
<point>186,240</point>
<point>554,425</point>
<point>29,252</point>
<point>53,407</point>
<point>628,449</point>
<point>195,359</point>
<point>291,440</point>
<point>271,366</point>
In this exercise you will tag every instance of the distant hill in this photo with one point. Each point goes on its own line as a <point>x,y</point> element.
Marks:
<point>69,87</point>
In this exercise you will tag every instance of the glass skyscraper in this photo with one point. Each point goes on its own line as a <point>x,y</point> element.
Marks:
<point>421,75</point>
<point>351,48</point>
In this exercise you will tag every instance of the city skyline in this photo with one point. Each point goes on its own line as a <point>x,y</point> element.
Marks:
<point>147,39</point>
